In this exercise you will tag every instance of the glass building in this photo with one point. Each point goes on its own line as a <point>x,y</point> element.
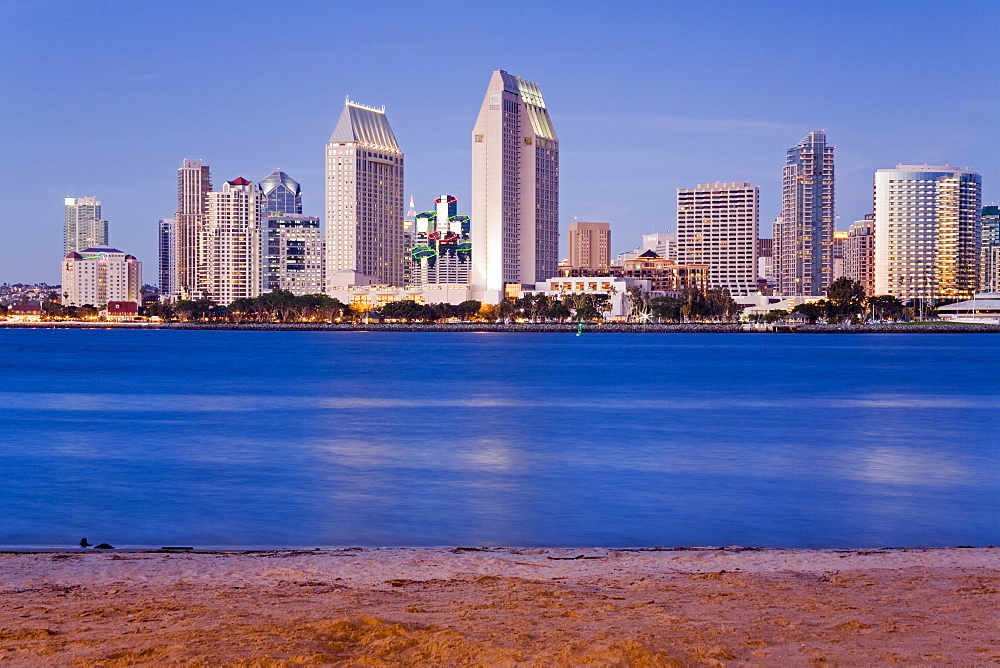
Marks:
<point>280,193</point>
<point>83,226</point>
<point>293,254</point>
<point>442,250</point>
<point>989,275</point>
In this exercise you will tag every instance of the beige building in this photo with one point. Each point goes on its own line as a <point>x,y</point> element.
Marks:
<point>515,188</point>
<point>927,232</point>
<point>194,182</point>
<point>717,225</point>
<point>230,249</point>
<point>859,253</point>
<point>98,275</point>
<point>590,245</point>
<point>83,226</point>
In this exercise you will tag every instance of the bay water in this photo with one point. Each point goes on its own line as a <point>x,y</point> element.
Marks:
<point>320,439</point>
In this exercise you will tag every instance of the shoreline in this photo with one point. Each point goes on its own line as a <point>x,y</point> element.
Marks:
<point>506,606</point>
<point>561,328</point>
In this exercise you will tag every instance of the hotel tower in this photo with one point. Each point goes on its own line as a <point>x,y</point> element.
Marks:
<point>194,182</point>
<point>364,197</point>
<point>83,226</point>
<point>927,232</point>
<point>515,188</point>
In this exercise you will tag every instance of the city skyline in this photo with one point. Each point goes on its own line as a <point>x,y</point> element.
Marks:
<point>621,157</point>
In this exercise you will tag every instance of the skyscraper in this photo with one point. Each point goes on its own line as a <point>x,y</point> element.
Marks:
<point>927,232</point>
<point>859,253</point>
<point>364,196</point>
<point>194,181</point>
<point>803,233</point>
<point>989,274</point>
<point>280,193</point>
<point>515,188</point>
<point>168,256</point>
<point>231,243</point>
<point>441,245</point>
<point>589,245</point>
<point>717,225</point>
<point>83,226</point>
<point>293,254</point>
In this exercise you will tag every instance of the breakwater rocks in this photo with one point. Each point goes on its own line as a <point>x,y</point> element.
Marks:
<point>561,328</point>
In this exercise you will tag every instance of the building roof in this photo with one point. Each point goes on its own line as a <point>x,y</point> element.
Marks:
<point>984,301</point>
<point>365,125</point>
<point>73,255</point>
<point>649,254</point>
<point>278,178</point>
<point>100,248</point>
<point>26,308</point>
<point>239,181</point>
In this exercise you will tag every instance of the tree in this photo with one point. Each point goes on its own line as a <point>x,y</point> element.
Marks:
<point>774,316</point>
<point>815,310</point>
<point>407,310</point>
<point>666,308</point>
<point>846,299</point>
<point>468,308</point>
<point>587,312</point>
<point>885,307</point>
<point>558,311</point>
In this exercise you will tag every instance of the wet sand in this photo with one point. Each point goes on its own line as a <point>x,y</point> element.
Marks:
<point>502,606</point>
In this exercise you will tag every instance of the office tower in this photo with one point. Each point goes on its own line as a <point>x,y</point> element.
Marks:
<point>293,254</point>
<point>927,232</point>
<point>859,253</point>
<point>717,225</point>
<point>989,275</point>
<point>589,245</point>
<point>194,182</point>
<point>803,233</point>
<point>837,251</point>
<point>231,243</point>
<point>280,193</point>
<point>168,256</point>
<point>765,265</point>
<point>515,188</point>
<point>441,245</point>
<point>83,226</point>
<point>663,244</point>
<point>97,275</point>
<point>364,197</point>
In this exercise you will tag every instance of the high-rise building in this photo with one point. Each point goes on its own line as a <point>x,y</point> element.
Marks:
<point>859,253</point>
<point>663,244</point>
<point>839,238</point>
<point>927,232</point>
<point>803,233</point>
<point>83,226</point>
<point>168,256</point>
<point>589,245</point>
<point>280,193</point>
<point>194,182</point>
<point>231,243</point>
<point>989,274</point>
<point>293,254</point>
<point>100,274</point>
<point>442,248</point>
<point>717,225</point>
<point>364,197</point>
<point>515,188</point>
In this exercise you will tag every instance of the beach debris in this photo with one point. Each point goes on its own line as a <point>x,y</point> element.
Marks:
<point>104,546</point>
<point>579,556</point>
<point>84,542</point>
<point>177,548</point>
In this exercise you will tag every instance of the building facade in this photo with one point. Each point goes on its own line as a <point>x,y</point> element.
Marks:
<point>589,245</point>
<point>83,226</point>
<point>803,233</point>
<point>441,250</point>
<point>231,243</point>
<point>280,193</point>
<point>666,276</point>
<point>989,273</point>
<point>859,253</point>
<point>515,188</point>
<point>167,238</point>
<point>293,254</point>
<point>98,275</point>
<point>717,225</point>
<point>663,244</point>
<point>927,232</point>
<point>194,182</point>
<point>364,196</point>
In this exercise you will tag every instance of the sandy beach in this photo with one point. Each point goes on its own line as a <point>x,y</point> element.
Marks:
<point>502,606</point>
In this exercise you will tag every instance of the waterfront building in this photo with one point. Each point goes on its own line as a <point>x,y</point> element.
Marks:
<point>442,248</point>
<point>280,193</point>
<point>364,196</point>
<point>666,276</point>
<point>100,274</point>
<point>803,233</point>
<point>717,225</point>
<point>616,288</point>
<point>859,253</point>
<point>983,308</point>
<point>231,243</point>
<point>663,244</point>
<point>194,182</point>
<point>515,188</point>
<point>83,226</point>
<point>839,238</point>
<point>989,273</point>
<point>167,238</point>
<point>927,232</point>
<point>590,245</point>
<point>293,254</point>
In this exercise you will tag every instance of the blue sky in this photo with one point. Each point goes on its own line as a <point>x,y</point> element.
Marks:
<point>107,98</point>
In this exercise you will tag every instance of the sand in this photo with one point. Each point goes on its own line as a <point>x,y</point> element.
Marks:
<point>502,606</point>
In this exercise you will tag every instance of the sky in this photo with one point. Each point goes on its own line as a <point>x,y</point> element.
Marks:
<point>107,98</point>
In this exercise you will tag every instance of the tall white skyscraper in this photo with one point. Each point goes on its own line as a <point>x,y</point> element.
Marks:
<point>927,232</point>
<point>364,197</point>
<point>230,263</point>
<point>515,188</point>
<point>83,226</point>
<point>194,181</point>
<point>717,225</point>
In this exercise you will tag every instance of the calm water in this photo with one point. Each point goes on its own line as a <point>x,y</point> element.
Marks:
<point>322,439</point>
